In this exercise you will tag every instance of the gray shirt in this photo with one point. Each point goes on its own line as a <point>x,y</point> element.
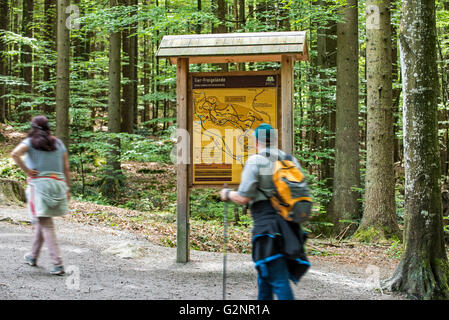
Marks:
<point>52,161</point>
<point>257,174</point>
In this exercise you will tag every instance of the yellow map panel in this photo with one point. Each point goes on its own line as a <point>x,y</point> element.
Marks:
<point>226,110</point>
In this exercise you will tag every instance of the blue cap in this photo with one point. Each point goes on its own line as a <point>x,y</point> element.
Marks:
<point>265,133</point>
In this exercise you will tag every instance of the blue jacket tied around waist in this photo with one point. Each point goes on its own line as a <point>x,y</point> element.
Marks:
<point>274,237</point>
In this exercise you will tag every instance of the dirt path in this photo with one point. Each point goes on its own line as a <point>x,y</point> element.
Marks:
<point>107,264</point>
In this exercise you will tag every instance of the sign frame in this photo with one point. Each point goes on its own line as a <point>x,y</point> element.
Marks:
<point>191,75</point>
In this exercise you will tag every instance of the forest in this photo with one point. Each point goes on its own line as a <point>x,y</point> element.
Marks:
<point>371,116</point>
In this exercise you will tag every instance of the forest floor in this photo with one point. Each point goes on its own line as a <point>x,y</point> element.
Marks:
<point>120,253</point>
<point>106,263</point>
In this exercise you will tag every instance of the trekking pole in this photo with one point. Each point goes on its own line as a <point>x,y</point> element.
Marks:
<point>225,220</point>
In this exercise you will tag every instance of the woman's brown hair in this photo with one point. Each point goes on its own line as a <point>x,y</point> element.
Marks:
<point>41,139</point>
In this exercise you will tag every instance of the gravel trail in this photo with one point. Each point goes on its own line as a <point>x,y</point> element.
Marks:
<point>102,263</point>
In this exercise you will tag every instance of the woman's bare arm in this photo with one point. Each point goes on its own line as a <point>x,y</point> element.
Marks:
<point>67,169</point>
<point>67,172</point>
<point>17,154</point>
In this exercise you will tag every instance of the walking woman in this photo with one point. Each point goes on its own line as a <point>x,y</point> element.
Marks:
<point>47,167</point>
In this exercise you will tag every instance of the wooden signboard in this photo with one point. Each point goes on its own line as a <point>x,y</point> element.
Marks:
<point>225,110</point>
<point>217,112</point>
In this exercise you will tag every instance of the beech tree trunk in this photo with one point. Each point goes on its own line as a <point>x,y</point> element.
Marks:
<point>380,209</point>
<point>423,271</point>
<point>345,203</point>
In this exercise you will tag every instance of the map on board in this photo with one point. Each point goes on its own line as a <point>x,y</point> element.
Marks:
<point>226,110</point>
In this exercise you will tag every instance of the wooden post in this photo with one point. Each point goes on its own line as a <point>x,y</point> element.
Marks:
<point>183,203</point>
<point>287,143</point>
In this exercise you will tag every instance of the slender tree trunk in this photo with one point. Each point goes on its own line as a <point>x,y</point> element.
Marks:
<point>49,36</point>
<point>198,25</point>
<point>443,37</point>
<point>114,80</point>
<point>220,13</point>
<point>424,269</point>
<point>14,70</point>
<point>127,106</point>
<point>135,74</point>
<point>242,17</point>
<point>327,60</point>
<point>380,209</point>
<point>345,204</point>
<point>146,71</point>
<point>241,25</point>
<point>4,11</point>
<point>78,38</point>
<point>62,74</point>
<point>284,23</point>
<point>396,91</point>
<point>111,183</point>
<point>26,56</point>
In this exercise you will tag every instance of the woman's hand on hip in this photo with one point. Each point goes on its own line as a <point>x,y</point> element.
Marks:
<point>31,173</point>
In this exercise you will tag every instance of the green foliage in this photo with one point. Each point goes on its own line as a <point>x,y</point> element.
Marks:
<point>314,94</point>
<point>205,204</point>
<point>142,149</point>
<point>9,170</point>
<point>396,249</point>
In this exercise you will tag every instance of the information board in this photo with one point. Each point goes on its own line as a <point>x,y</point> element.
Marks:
<point>226,110</point>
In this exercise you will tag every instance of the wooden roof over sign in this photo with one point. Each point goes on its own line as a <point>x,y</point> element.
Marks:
<point>234,47</point>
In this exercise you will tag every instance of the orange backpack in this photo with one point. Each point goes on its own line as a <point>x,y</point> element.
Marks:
<point>291,197</point>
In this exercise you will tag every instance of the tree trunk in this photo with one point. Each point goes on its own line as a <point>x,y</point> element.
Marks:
<point>135,62</point>
<point>380,209</point>
<point>63,74</point>
<point>129,108</point>
<point>4,11</point>
<point>423,272</point>
<point>284,21</point>
<point>49,36</point>
<point>345,204</point>
<point>396,92</point>
<point>327,60</point>
<point>220,13</point>
<point>14,60</point>
<point>26,56</point>
<point>113,174</point>
<point>198,25</point>
<point>241,25</point>
<point>11,192</point>
<point>146,72</point>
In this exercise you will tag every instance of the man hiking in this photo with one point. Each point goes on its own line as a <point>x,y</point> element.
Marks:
<point>278,244</point>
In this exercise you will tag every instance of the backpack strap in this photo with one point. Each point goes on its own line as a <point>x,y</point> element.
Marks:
<point>287,157</point>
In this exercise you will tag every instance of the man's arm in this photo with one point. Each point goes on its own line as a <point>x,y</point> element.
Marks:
<point>17,154</point>
<point>248,186</point>
<point>234,196</point>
